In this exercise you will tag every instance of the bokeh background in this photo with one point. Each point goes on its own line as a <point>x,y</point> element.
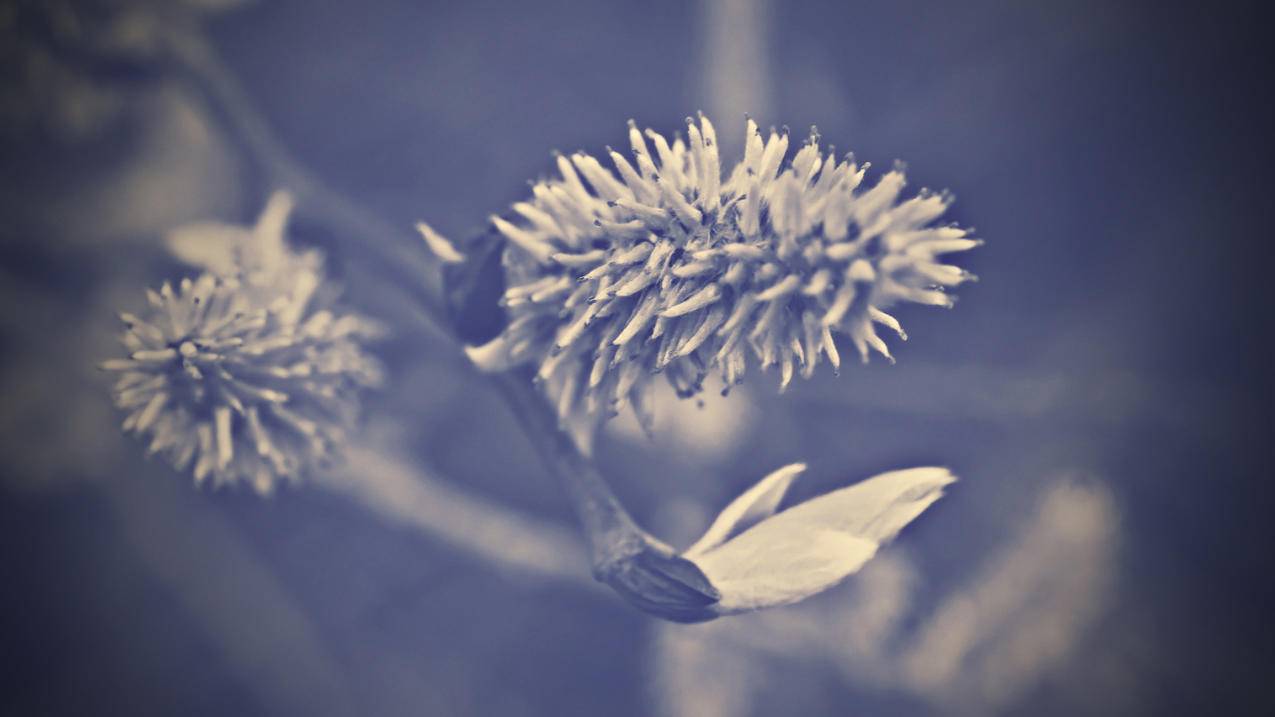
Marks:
<point>1101,391</point>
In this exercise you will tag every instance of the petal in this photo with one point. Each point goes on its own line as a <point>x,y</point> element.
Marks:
<point>439,245</point>
<point>207,245</point>
<point>495,355</point>
<point>752,506</point>
<point>268,234</point>
<point>781,564</point>
<point>813,546</point>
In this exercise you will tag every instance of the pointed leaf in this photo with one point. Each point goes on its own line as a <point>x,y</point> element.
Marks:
<point>813,546</point>
<point>752,506</point>
<point>267,235</point>
<point>207,245</point>
<point>493,356</point>
<point>273,221</point>
<point>877,508</point>
<point>780,564</point>
<point>439,245</point>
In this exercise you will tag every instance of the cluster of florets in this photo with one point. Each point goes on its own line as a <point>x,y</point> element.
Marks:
<point>667,268</point>
<point>247,375</point>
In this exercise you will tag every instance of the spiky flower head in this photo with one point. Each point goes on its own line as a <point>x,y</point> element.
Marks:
<point>664,267</point>
<point>249,376</point>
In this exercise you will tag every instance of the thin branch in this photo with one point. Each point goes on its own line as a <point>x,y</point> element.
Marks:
<point>397,255</point>
<point>405,493</point>
<point>610,529</point>
<point>640,568</point>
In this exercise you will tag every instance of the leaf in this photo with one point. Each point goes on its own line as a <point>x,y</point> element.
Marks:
<point>219,248</point>
<point>267,235</point>
<point>752,506</point>
<point>208,245</point>
<point>439,245</point>
<point>492,357</point>
<point>813,546</point>
<point>781,565</point>
<point>878,507</point>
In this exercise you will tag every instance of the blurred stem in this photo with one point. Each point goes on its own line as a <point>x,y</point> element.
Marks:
<point>403,492</point>
<point>394,254</point>
<point>735,68</point>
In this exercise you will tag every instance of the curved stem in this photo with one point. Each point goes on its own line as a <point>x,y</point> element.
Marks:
<point>640,568</point>
<point>394,254</point>
<point>611,531</point>
<point>400,490</point>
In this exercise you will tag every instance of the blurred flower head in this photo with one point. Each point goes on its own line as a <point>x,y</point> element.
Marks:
<point>248,373</point>
<point>663,266</point>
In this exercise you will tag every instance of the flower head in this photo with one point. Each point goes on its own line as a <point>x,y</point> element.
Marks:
<point>246,376</point>
<point>663,266</point>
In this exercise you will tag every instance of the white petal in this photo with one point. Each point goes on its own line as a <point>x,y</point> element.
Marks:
<point>439,245</point>
<point>753,505</point>
<point>780,564</point>
<point>495,355</point>
<point>878,507</point>
<point>269,232</point>
<point>207,245</point>
<point>813,546</point>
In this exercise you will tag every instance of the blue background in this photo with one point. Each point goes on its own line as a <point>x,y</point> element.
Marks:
<point>1114,155</point>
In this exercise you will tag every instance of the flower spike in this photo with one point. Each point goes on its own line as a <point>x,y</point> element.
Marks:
<point>667,267</point>
<point>247,372</point>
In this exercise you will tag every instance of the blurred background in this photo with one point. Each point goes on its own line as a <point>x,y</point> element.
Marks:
<point>1101,392</point>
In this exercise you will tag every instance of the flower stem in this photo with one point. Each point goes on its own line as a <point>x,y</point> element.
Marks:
<point>404,491</point>
<point>394,254</point>
<point>611,531</point>
<point>639,567</point>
